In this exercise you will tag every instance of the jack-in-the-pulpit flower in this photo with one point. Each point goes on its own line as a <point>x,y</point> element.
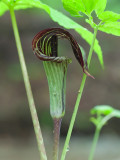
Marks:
<point>45,45</point>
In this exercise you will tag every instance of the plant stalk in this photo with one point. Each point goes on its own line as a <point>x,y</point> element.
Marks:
<point>78,99</point>
<point>95,140</point>
<point>57,125</point>
<point>34,116</point>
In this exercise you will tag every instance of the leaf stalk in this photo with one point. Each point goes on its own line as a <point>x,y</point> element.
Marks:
<point>78,99</point>
<point>32,107</point>
<point>95,140</point>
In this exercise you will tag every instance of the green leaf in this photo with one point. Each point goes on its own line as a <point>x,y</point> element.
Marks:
<point>76,6</point>
<point>94,120</point>
<point>103,114</point>
<point>109,16</point>
<point>100,7</point>
<point>24,4</point>
<point>111,28</point>
<point>70,24</point>
<point>3,8</point>
<point>90,5</point>
<point>102,109</point>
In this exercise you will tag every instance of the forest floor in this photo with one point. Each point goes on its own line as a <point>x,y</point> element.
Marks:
<point>108,148</point>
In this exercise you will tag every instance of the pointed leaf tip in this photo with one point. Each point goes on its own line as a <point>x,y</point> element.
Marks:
<point>88,74</point>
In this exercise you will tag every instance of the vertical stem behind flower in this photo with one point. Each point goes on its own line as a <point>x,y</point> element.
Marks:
<point>28,88</point>
<point>78,100</point>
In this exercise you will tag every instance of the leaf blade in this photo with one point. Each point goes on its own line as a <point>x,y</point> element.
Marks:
<point>24,4</point>
<point>111,28</point>
<point>100,7</point>
<point>102,110</point>
<point>74,6</point>
<point>109,16</point>
<point>90,6</point>
<point>3,8</point>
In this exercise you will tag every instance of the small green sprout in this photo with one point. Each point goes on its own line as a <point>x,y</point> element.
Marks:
<point>103,114</point>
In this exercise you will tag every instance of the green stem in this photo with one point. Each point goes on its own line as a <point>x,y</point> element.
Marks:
<point>78,100</point>
<point>105,120</point>
<point>97,132</point>
<point>57,125</point>
<point>28,88</point>
<point>95,140</point>
<point>92,46</point>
